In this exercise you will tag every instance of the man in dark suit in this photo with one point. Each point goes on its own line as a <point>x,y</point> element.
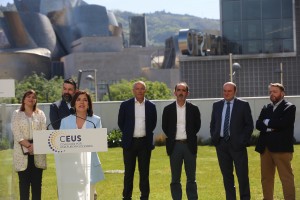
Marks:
<point>275,142</point>
<point>181,123</point>
<point>61,108</point>
<point>231,127</point>
<point>137,120</point>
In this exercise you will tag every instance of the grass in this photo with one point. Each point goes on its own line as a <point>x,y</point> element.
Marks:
<point>209,178</point>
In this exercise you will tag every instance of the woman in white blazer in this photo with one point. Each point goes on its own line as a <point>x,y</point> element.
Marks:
<point>29,166</point>
<point>84,118</point>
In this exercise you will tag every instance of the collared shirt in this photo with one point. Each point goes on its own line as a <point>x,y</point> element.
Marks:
<point>181,121</point>
<point>223,116</point>
<point>276,105</point>
<point>140,119</point>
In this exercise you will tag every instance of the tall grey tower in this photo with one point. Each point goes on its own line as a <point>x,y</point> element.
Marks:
<point>138,31</point>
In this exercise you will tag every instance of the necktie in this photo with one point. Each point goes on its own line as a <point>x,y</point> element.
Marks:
<point>226,122</point>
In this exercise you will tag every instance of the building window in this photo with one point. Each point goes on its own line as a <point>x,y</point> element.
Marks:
<point>272,29</point>
<point>252,47</point>
<point>287,28</point>
<point>272,46</point>
<point>271,9</point>
<point>232,30</point>
<point>231,10</point>
<point>287,8</point>
<point>251,9</point>
<point>252,30</point>
<point>249,22</point>
<point>288,45</point>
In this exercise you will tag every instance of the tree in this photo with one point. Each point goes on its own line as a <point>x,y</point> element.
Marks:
<point>47,90</point>
<point>123,90</point>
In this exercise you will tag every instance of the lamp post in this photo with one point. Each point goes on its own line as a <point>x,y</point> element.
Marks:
<point>232,67</point>
<point>90,77</point>
<point>281,73</point>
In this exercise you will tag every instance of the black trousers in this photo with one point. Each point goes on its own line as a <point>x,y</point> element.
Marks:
<point>228,160</point>
<point>142,154</point>
<point>32,176</point>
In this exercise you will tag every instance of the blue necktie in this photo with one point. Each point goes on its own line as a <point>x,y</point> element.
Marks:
<point>226,122</point>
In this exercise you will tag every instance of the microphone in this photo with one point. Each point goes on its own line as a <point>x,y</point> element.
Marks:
<point>72,111</point>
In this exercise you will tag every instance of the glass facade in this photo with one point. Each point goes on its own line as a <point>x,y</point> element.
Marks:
<point>257,26</point>
<point>252,33</point>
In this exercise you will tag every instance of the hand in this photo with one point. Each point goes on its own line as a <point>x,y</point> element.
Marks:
<point>30,149</point>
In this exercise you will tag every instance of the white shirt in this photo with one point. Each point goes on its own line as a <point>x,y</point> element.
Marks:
<point>140,119</point>
<point>181,121</point>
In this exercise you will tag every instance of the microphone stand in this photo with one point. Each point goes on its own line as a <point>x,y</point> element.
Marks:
<point>54,122</point>
<point>72,111</point>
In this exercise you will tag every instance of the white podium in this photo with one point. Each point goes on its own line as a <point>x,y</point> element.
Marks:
<point>73,157</point>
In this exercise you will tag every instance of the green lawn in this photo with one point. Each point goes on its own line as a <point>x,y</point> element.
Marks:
<point>209,179</point>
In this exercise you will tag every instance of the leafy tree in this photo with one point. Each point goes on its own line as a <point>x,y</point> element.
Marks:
<point>47,90</point>
<point>123,90</point>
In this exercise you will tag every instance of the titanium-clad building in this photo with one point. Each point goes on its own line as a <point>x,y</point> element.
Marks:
<point>263,36</point>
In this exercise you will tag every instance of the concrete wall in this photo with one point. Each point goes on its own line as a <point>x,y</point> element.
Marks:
<point>111,67</point>
<point>109,113</point>
<point>97,44</point>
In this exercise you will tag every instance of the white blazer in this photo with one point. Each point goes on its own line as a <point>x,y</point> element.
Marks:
<point>22,128</point>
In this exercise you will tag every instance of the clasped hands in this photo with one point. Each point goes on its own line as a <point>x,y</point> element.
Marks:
<point>30,149</point>
<point>266,122</point>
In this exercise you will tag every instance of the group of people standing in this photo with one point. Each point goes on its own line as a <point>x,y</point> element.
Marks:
<point>73,111</point>
<point>231,127</point>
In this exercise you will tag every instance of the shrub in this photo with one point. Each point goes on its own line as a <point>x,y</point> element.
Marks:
<point>114,138</point>
<point>4,144</point>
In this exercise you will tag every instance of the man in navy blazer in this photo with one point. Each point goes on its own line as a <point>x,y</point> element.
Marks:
<point>181,122</point>
<point>275,142</point>
<point>137,120</point>
<point>231,145</point>
<point>61,108</point>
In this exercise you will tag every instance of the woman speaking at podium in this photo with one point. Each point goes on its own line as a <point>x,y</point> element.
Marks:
<point>29,167</point>
<point>71,168</point>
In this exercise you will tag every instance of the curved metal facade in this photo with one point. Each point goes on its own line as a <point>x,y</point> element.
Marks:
<point>53,25</point>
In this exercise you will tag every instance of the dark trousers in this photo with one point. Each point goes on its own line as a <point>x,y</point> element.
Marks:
<point>32,176</point>
<point>227,157</point>
<point>180,154</point>
<point>142,154</point>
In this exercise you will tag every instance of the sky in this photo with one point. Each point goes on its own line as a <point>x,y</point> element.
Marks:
<point>199,8</point>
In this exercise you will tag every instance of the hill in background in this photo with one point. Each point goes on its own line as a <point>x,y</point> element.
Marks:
<point>161,25</point>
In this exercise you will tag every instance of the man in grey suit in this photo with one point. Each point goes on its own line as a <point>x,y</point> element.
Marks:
<point>231,127</point>
<point>181,123</point>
